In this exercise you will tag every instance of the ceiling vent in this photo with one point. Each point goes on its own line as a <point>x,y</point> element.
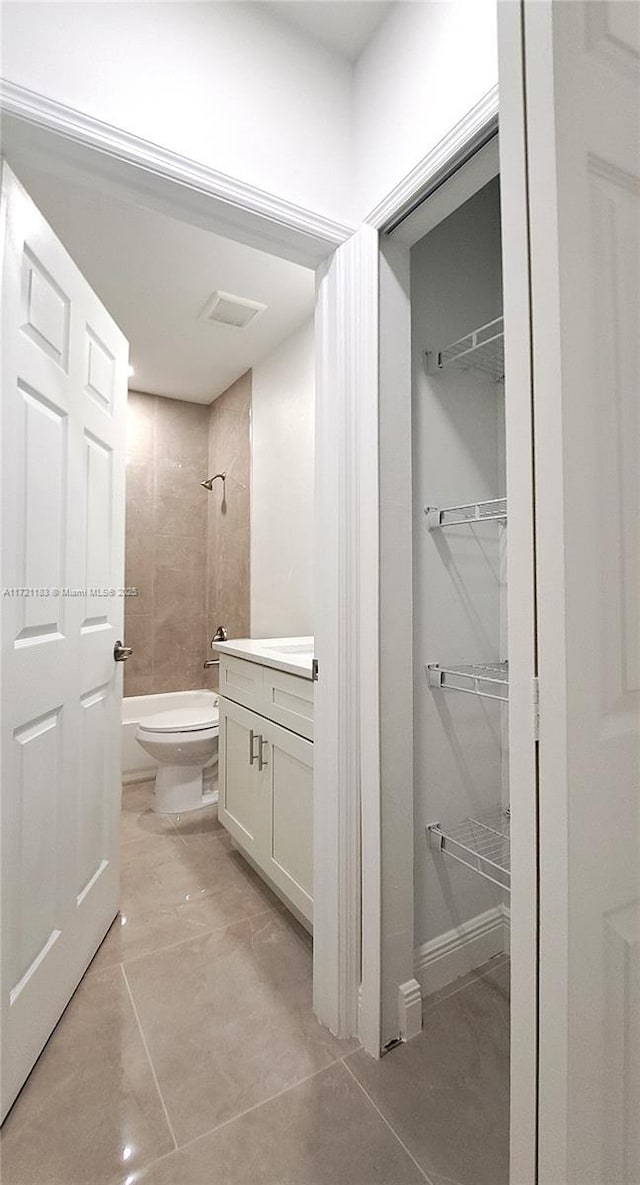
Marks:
<point>231,310</point>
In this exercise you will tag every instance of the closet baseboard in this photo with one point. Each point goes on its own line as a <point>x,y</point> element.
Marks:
<point>444,959</point>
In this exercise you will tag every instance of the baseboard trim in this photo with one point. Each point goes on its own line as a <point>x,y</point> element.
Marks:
<point>444,959</point>
<point>409,1009</point>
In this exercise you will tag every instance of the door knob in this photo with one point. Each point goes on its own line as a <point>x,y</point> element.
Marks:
<point>122,653</point>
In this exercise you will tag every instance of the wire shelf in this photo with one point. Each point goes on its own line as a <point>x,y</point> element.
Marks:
<point>480,844</point>
<point>482,351</point>
<point>495,510</point>
<point>488,679</point>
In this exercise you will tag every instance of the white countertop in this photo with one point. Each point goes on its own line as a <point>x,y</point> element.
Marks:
<point>293,655</point>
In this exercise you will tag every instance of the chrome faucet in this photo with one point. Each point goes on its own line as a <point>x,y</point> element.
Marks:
<point>220,635</point>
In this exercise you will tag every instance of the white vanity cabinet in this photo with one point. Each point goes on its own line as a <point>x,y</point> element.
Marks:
<point>266,775</point>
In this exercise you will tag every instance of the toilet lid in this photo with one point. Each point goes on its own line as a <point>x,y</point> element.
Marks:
<point>181,720</point>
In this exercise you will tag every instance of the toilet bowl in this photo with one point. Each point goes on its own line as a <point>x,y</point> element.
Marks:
<point>185,744</point>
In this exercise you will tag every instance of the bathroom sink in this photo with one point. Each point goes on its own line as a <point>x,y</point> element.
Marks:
<point>294,655</point>
<point>292,648</point>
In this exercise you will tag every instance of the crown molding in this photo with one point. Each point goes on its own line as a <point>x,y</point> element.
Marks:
<point>480,122</point>
<point>44,112</point>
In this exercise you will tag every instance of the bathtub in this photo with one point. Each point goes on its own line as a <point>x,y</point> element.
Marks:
<point>138,766</point>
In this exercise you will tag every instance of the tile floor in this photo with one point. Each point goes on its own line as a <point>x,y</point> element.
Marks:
<point>190,1054</point>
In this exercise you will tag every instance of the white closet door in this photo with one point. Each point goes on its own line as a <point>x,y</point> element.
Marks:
<point>64,377</point>
<point>583,128</point>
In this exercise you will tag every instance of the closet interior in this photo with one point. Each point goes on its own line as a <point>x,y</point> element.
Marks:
<point>461,672</point>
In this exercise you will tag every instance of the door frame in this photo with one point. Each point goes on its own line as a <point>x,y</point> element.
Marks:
<point>78,147</point>
<point>400,225</point>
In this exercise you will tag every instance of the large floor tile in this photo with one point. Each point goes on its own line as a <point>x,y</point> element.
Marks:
<point>199,823</point>
<point>499,965</point>
<point>323,1132</point>
<point>172,890</point>
<point>446,1093</point>
<point>137,820</point>
<point>244,1029</point>
<point>90,1113</point>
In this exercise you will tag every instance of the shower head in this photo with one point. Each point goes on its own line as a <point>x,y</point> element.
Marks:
<point>208,484</point>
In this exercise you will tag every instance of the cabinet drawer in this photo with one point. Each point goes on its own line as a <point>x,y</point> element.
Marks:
<point>288,700</point>
<point>242,682</point>
<point>285,699</point>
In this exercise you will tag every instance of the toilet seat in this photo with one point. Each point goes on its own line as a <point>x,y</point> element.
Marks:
<point>181,720</point>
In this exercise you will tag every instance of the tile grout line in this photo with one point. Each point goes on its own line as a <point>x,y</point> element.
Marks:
<point>192,938</point>
<point>151,1065</point>
<point>386,1121</point>
<point>478,976</point>
<point>241,1114</point>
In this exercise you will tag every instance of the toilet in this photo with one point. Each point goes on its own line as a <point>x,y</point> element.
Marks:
<point>184,742</point>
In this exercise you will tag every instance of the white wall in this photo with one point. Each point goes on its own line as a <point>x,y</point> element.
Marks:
<point>229,85</point>
<point>428,64</point>
<point>233,86</point>
<point>282,479</point>
<point>457,457</point>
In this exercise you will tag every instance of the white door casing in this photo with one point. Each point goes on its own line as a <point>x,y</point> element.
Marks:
<point>64,377</point>
<point>521,609</point>
<point>583,146</point>
<point>346,824</point>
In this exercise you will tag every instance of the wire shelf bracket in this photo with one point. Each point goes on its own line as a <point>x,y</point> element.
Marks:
<point>482,351</point>
<point>490,679</point>
<point>480,844</point>
<point>495,510</point>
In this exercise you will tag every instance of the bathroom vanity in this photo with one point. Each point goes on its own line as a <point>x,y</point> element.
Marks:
<point>266,761</point>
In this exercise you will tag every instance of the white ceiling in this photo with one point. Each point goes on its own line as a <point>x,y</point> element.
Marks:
<point>345,26</point>
<point>155,274</point>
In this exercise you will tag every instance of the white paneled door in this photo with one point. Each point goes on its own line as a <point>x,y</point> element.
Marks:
<point>582,96</point>
<point>64,382</point>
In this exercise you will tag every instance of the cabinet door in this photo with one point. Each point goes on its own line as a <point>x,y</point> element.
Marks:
<point>243,806</point>
<point>287,776</point>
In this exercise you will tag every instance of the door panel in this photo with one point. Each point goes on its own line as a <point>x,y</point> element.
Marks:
<point>35,909</point>
<point>64,371</point>
<point>583,132</point>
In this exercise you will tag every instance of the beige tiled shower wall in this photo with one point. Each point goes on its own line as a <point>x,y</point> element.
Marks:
<point>172,534</point>
<point>229,520</point>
